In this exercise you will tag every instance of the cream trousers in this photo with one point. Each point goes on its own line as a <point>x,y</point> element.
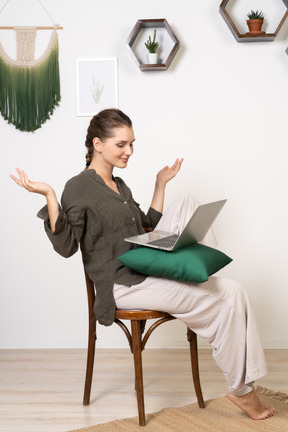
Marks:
<point>218,310</point>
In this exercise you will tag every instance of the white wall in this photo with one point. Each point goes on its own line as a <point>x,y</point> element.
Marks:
<point>221,105</point>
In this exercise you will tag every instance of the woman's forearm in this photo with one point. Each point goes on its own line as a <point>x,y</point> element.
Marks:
<point>157,202</point>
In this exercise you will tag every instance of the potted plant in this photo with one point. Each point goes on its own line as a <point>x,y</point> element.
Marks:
<point>255,21</point>
<point>152,47</point>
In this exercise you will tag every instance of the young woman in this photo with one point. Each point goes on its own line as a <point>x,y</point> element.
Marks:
<point>98,211</point>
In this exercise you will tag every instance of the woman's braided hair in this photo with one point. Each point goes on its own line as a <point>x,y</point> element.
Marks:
<point>101,126</point>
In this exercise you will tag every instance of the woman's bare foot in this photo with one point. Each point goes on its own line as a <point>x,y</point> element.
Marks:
<point>252,406</point>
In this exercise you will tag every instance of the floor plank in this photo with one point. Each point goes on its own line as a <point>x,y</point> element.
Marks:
<point>42,390</point>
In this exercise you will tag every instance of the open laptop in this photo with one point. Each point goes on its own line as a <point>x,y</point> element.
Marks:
<point>194,232</point>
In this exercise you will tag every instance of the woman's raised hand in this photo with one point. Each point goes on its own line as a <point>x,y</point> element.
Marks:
<point>168,173</point>
<point>162,178</point>
<point>35,187</point>
<point>40,188</point>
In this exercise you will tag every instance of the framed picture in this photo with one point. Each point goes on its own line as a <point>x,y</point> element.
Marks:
<point>96,85</point>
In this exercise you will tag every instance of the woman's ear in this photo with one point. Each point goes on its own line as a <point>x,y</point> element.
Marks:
<point>97,144</point>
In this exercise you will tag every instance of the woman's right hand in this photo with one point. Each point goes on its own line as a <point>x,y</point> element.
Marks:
<point>35,187</point>
<point>43,189</point>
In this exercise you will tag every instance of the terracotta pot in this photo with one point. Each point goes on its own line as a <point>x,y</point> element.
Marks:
<point>255,25</point>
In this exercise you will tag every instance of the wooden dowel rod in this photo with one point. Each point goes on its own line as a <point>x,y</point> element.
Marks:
<point>38,28</point>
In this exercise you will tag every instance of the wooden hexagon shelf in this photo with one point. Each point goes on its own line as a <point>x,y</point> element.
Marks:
<point>168,43</point>
<point>247,37</point>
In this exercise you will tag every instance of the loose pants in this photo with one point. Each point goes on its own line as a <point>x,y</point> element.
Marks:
<point>218,310</point>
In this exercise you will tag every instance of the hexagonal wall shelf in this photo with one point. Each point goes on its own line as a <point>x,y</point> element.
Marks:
<point>246,37</point>
<point>168,43</point>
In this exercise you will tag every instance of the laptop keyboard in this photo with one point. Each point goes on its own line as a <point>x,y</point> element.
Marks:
<point>167,242</point>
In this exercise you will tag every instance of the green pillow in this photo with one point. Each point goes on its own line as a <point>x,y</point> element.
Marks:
<point>193,263</point>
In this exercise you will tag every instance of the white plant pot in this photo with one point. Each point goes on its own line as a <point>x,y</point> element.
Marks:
<point>152,58</point>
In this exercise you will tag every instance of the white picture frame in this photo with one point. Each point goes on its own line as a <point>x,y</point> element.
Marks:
<point>96,85</point>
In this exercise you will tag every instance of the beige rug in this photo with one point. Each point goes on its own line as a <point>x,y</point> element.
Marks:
<point>220,415</point>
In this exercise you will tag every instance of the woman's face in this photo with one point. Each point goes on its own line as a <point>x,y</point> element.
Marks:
<point>116,150</point>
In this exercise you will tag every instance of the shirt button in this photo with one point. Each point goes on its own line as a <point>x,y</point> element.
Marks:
<point>125,202</point>
<point>133,219</point>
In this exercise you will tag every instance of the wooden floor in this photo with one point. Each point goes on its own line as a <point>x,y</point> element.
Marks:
<point>42,390</point>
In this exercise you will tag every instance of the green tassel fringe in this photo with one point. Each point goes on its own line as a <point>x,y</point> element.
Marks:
<point>28,95</point>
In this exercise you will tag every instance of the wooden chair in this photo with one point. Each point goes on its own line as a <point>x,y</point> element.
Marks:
<point>137,341</point>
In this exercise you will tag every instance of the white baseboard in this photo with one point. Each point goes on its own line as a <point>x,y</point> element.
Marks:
<point>43,343</point>
<point>117,343</point>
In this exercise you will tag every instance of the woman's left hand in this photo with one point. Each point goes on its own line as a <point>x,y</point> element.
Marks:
<point>162,178</point>
<point>168,173</point>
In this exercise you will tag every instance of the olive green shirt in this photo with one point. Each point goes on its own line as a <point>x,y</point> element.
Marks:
<point>93,215</point>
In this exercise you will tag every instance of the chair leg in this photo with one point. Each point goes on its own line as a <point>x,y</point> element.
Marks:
<point>142,329</point>
<point>192,339</point>
<point>137,355</point>
<point>89,367</point>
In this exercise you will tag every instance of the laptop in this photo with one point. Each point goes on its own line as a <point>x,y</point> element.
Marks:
<point>195,230</point>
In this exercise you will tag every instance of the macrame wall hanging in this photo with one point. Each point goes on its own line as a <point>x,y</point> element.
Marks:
<point>29,88</point>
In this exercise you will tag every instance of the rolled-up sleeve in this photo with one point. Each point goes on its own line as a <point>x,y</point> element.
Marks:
<point>69,225</point>
<point>154,217</point>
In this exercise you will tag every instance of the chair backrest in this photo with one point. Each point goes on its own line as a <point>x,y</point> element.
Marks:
<point>91,290</point>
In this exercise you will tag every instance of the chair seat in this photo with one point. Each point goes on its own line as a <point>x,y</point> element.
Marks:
<point>140,314</point>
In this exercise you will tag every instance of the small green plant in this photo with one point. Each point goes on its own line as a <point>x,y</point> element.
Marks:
<point>152,45</point>
<point>255,15</point>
